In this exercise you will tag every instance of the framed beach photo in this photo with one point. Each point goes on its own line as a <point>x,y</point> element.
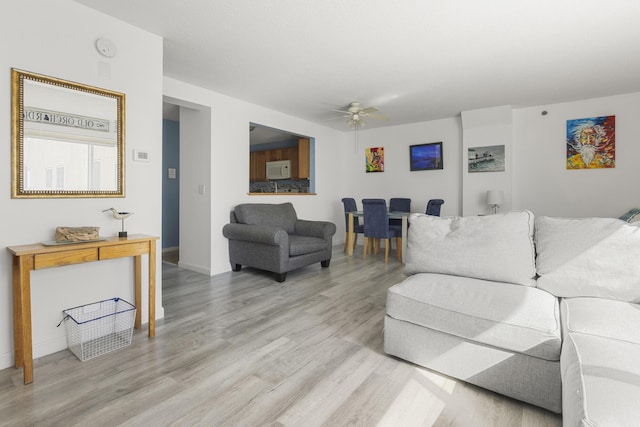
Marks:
<point>424,157</point>
<point>486,159</point>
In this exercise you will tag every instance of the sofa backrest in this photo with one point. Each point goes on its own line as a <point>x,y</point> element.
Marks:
<point>588,257</point>
<point>279,215</point>
<point>492,247</point>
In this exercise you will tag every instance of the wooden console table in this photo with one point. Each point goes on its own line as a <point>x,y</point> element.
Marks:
<point>37,256</point>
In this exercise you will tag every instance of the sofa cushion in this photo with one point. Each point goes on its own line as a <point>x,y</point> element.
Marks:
<point>521,319</point>
<point>301,245</point>
<point>601,317</point>
<point>279,215</point>
<point>589,257</point>
<point>492,247</point>
<point>600,381</point>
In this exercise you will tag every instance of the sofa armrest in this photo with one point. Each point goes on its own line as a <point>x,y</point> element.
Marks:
<point>267,235</point>
<point>321,229</point>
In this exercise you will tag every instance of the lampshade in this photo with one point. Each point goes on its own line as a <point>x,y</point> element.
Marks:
<point>495,197</point>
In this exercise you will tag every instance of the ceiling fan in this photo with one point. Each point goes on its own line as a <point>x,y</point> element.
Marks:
<point>356,114</point>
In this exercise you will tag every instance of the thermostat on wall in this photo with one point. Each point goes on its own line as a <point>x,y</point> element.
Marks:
<point>140,156</point>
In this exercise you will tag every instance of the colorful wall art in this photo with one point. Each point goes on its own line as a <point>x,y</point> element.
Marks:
<point>374,159</point>
<point>486,159</point>
<point>591,143</point>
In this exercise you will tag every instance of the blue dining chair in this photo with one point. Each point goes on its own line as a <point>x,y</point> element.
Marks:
<point>398,204</point>
<point>376,226</point>
<point>433,207</point>
<point>350,206</point>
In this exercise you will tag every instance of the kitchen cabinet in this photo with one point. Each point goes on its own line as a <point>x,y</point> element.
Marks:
<point>299,157</point>
<point>258,166</point>
<point>304,170</point>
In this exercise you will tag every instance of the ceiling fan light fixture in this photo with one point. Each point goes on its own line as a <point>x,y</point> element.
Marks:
<point>356,115</point>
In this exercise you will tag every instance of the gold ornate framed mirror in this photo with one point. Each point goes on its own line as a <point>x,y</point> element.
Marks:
<point>67,138</point>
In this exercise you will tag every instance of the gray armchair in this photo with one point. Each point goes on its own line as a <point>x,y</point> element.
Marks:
<point>271,237</point>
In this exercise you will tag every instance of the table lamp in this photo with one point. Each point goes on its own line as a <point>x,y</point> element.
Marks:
<point>495,198</point>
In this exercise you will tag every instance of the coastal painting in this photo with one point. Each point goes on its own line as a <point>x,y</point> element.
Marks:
<point>374,158</point>
<point>424,157</point>
<point>591,143</point>
<point>486,159</point>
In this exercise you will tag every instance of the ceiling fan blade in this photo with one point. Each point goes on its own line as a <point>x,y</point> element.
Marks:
<point>378,117</point>
<point>369,110</point>
<point>341,111</point>
<point>337,117</point>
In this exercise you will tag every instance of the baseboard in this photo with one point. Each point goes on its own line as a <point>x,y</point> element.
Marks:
<point>6,360</point>
<point>49,346</point>
<point>195,268</point>
<point>173,249</point>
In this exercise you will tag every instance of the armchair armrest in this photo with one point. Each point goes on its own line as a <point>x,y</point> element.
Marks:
<point>268,235</point>
<point>321,229</point>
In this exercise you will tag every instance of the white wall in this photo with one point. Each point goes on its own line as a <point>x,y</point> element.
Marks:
<point>57,39</point>
<point>229,160</point>
<point>397,180</point>
<point>542,182</point>
<point>195,194</point>
<point>482,128</point>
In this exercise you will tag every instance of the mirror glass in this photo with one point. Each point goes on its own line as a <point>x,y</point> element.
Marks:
<point>67,138</point>
<point>280,161</point>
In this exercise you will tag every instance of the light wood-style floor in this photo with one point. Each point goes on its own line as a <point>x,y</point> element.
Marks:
<point>240,349</point>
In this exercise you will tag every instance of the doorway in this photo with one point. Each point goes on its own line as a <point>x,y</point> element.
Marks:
<point>187,233</point>
<point>170,183</point>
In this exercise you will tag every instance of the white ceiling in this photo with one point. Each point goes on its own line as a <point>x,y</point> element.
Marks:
<point>415,60</point>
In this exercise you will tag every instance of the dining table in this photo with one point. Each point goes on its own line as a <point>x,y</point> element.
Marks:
<point>404,216</point>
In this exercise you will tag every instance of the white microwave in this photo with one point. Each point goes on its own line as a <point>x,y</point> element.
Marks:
<point>279,170</point>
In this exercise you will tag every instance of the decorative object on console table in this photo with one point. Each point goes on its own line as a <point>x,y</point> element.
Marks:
<point>495,198</point>
<point>77,234</point>
<point>121,216</point>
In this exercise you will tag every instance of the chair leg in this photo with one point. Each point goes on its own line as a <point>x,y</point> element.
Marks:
<point>364,252</point>
<point>387,243</point>
<point>355,241</point>
<point>377,246</point>
<point>399,248</point>
<point>346,242</point>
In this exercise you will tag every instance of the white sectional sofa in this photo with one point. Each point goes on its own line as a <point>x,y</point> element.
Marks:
<point>545,311</point>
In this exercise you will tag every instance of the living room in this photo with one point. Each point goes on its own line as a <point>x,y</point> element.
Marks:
<point>57,39</point>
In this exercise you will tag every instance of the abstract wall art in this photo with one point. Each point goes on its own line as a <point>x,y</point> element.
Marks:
<point>591,143</point>
<point>374,159</point>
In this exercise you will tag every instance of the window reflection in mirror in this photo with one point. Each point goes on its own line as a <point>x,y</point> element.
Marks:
<point>67,138</point>
<point>280,161</point>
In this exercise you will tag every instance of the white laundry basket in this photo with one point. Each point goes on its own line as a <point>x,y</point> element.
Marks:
<point>98,328</point>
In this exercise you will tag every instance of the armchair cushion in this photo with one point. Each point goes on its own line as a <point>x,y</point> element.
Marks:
<point>300,245</point>
<point>281,215</point>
